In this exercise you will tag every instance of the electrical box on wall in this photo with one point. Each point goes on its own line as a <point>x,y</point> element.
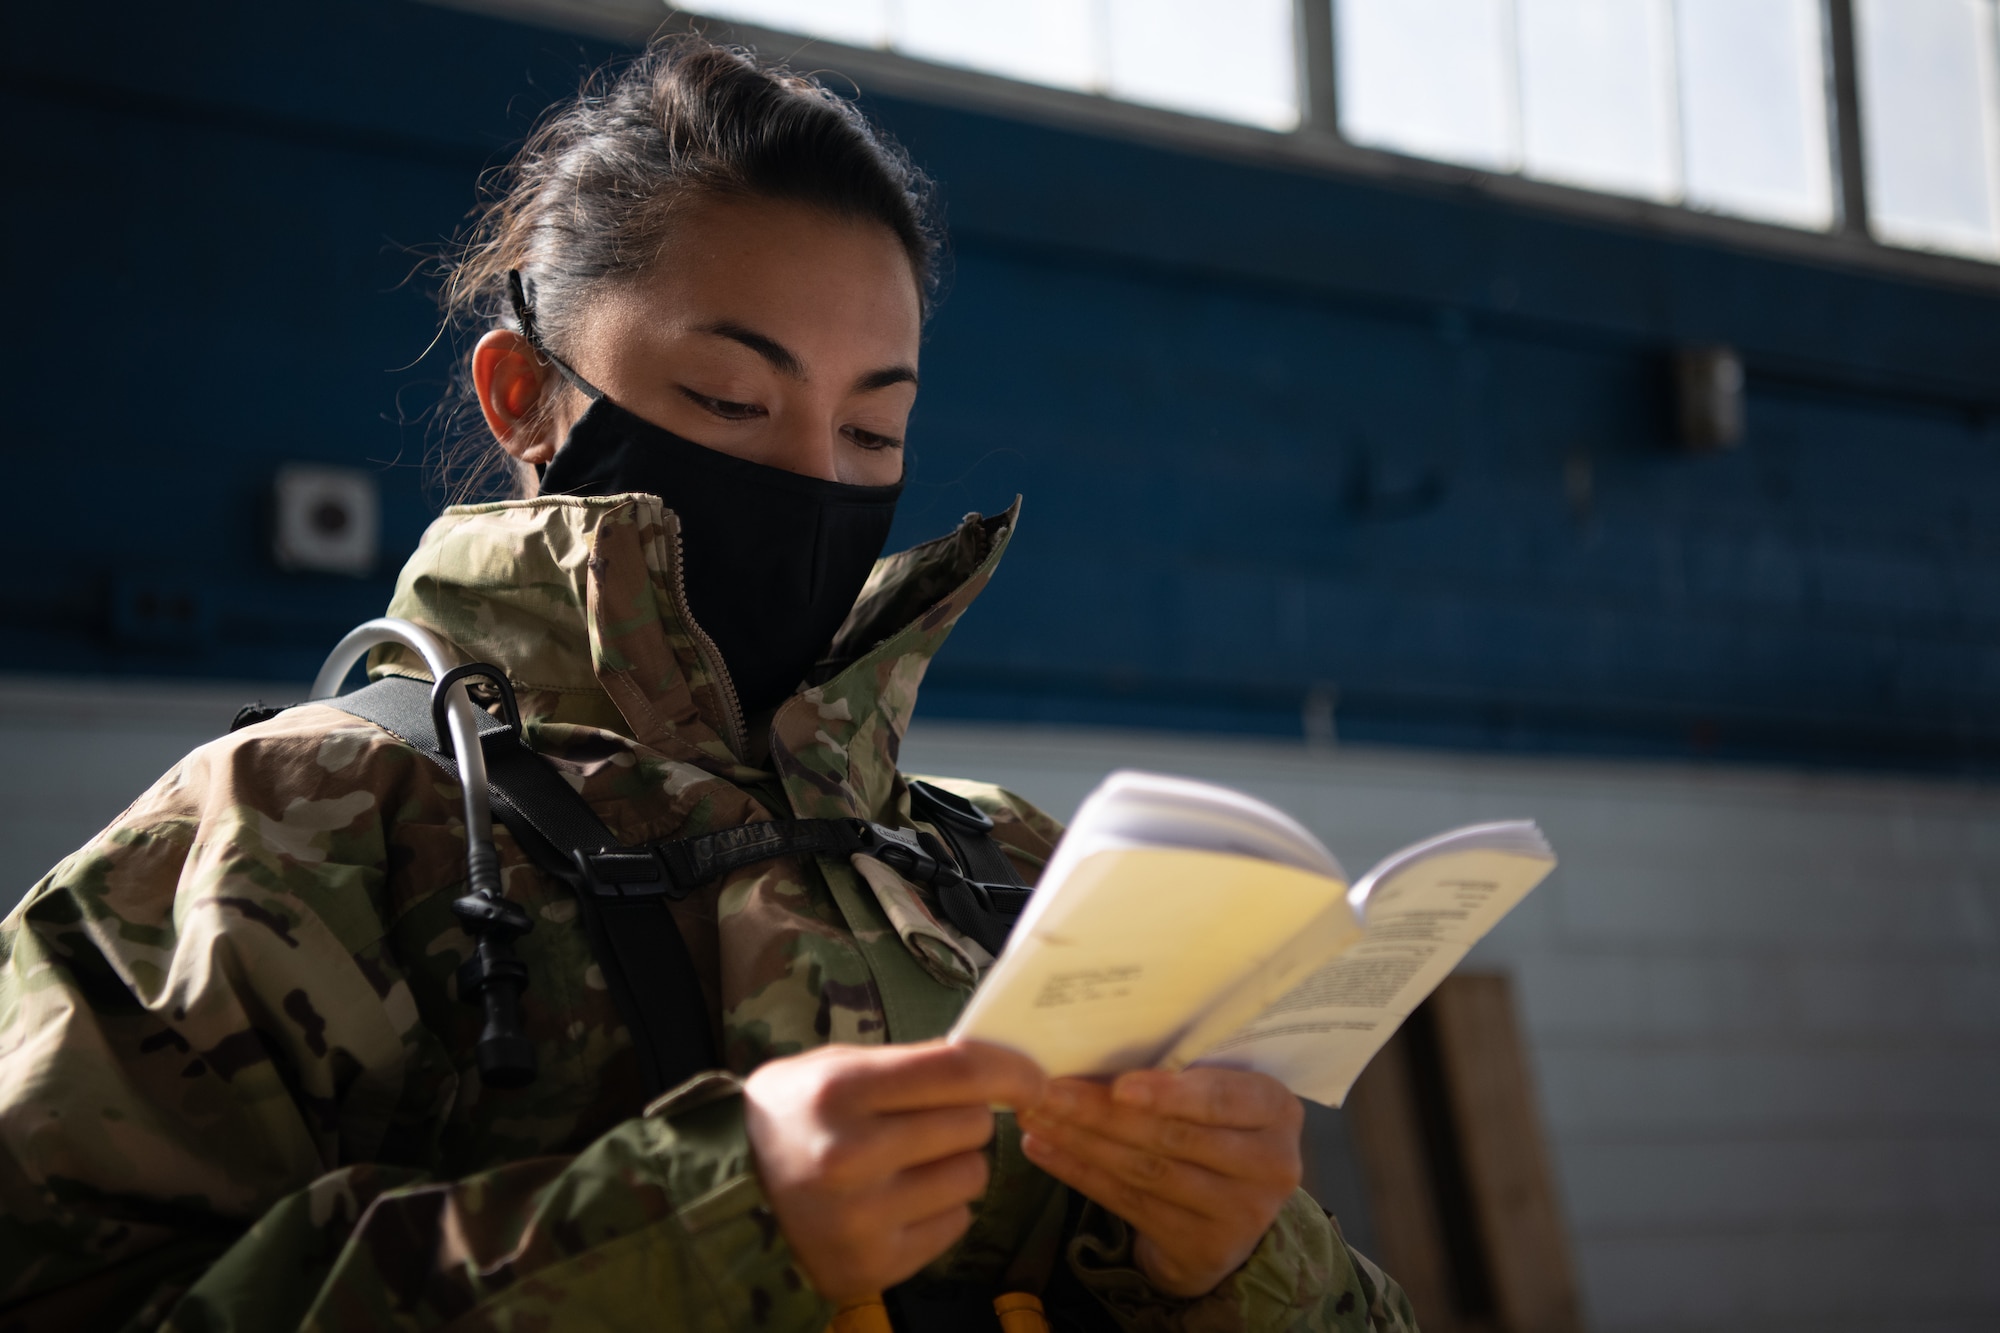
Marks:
<point>1708,389</point>
<point>328,519</point>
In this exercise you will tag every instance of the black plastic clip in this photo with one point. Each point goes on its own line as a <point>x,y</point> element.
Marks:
<point>911,854</point>
<point>628,872</point>
<point>510,708</point>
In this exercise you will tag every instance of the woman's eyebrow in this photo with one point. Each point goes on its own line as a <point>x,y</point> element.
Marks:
<point>883,378</point>
<point>780,356</point>
<point>785,362</point>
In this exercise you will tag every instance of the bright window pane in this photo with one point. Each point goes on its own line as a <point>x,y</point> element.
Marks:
<point>1597,104</point>
<point>1754,109</point>
<point>1927,117</point>
<point>856,22</point>
<point>1428,77</point>
<point>1234,62</point>
<point>1041,41</point>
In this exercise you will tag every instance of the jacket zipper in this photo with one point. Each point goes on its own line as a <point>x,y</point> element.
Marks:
<point>711,656</point>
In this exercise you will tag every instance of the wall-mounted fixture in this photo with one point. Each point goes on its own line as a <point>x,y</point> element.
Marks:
<point>1708,395</point>
<point>328,520</point>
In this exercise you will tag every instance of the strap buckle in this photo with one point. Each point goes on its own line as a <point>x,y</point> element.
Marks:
<point>904,851</point>
<point>1005,900</point>
<point>984,895</point>
<point>628,872</point>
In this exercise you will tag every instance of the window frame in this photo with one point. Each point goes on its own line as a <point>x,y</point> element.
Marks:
<point>1987,76</point>
<point>1317,144</point>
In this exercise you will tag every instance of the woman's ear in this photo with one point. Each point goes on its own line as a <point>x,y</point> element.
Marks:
<point>510,380</point>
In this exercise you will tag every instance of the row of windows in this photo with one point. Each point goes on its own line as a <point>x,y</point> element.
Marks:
<point>1234,62</point>
<point>1721,105</point>
<point>1718,104</point>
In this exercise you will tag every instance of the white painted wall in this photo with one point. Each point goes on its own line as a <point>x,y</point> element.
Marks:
<point>75,753</point>
<point>1763,1007</point>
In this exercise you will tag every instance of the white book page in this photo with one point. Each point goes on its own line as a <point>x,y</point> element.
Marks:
<point>1134,809</point>
<point>1422,910</point>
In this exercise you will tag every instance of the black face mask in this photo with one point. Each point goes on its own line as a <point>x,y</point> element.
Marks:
<point>772,561</point>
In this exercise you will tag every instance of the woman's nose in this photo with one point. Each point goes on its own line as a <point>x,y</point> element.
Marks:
<point>808,447</point>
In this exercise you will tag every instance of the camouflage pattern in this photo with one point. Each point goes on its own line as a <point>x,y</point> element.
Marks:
<point>236,1088</point>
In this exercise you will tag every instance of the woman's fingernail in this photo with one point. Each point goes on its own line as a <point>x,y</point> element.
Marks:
<point>1133,1092</point>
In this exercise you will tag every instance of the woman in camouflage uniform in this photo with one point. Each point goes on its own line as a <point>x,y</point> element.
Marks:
<point>236,1082</point>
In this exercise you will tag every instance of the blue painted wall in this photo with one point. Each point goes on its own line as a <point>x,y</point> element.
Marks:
<point>1279,432</point>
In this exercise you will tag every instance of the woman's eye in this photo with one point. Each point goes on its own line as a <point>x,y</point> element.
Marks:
<point>868,439</point>
<point>722,407</point>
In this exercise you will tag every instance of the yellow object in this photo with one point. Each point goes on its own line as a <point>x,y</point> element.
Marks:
<point>1144,950</point>
<point>1020,1312</point>
<point>867,1315</point>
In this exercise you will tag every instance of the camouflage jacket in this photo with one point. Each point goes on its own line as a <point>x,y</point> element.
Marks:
<point>236,1088</point>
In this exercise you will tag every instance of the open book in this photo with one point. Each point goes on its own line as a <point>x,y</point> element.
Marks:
<point>1180,923</point>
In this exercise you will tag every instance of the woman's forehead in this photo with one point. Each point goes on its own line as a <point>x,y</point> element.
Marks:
<point>802,276</point>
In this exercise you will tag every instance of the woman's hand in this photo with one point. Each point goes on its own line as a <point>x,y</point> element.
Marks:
<point>1198,1162</point>
<point>870,1155</point>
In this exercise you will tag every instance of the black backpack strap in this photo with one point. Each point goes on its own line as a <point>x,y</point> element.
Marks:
<point>633,935</point>
<point>623,891</point>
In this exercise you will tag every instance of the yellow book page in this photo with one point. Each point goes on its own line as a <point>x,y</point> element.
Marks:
<point>1333,932</point>
<point>1136,949</point>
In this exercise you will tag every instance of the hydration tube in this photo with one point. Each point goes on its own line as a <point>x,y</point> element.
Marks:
<point>492,978</point>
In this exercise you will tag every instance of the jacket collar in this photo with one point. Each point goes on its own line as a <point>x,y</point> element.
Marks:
<point>580,600</point>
